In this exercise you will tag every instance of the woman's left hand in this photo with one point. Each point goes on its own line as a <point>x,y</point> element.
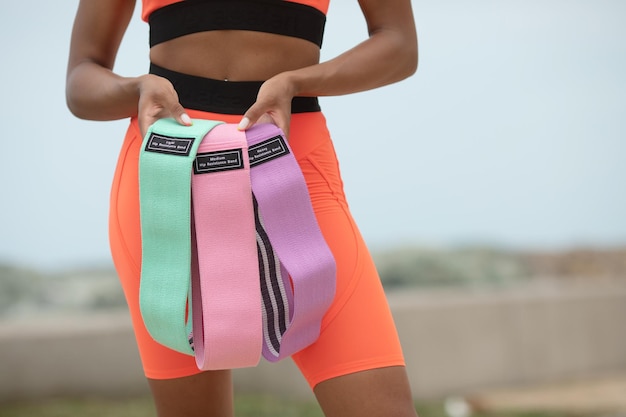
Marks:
<point>273,104</point>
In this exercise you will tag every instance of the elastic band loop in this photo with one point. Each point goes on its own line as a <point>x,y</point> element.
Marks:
<point>288,218</point>
<point>167,154</point>
<point>227,322</point>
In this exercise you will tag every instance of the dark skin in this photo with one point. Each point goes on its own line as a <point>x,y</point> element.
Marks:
<point>289,67</point>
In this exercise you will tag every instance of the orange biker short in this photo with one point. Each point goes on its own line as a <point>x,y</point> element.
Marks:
<point>357,333</point>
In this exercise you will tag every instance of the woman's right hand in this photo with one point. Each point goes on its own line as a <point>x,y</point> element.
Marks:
<point>93,90</point>
<point>158,100</point>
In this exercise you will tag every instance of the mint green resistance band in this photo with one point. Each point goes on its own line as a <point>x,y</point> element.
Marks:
<point>165,166</point>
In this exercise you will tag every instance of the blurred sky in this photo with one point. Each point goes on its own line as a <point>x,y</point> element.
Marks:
<point>511,133</point>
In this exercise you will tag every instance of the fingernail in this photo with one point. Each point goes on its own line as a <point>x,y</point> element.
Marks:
<point>185,118</point>
<point>243,123</point>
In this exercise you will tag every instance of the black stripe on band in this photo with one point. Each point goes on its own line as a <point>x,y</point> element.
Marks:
<point>273,271</point>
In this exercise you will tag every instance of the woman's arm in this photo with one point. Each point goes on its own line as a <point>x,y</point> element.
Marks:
<point>387,56</point>
<point>93,91</point>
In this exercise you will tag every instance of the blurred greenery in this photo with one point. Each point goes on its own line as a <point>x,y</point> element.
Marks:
<point>24,290</point>
<point>27,290</point>
<point>18,285</point>
<point>245,406</point>
<point>97,288</point>
<point>492,266</point>
<point>462,267</point>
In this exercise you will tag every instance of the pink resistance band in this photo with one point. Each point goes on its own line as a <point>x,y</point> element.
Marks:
<point>226,295</point>
<point>286,214</point>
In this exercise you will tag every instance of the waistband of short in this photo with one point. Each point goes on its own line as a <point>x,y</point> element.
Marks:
<point>225,97</point>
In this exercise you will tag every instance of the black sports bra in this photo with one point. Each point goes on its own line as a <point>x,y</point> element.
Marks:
<point>270,16</point>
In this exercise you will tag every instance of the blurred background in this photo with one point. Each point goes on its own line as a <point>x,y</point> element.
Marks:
<point>488,185</point>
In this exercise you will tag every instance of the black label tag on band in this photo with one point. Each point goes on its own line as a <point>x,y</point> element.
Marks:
<point>267,150</point>
<point>217,161</point>
<point>169,145</point>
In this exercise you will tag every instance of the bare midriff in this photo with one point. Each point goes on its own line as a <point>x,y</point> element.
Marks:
<point>234,55</point>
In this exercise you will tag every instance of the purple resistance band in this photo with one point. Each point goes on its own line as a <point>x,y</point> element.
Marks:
<point>286,213</point>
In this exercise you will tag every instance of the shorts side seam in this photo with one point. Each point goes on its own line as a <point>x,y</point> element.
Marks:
<point>341,299</point>
<point>115,223</point>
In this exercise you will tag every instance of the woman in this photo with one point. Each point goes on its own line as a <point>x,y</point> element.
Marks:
<point>244,61</point>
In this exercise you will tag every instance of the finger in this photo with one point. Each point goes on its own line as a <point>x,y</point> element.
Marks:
<point>277,120</point>
<point>145,123</point>
<point>283,124</point>
<point>266,118</point>
<point>250,117</point>
<point>180,116</point>
<point>178,113</point>
<point>143,128</point>
<point>245,123</point>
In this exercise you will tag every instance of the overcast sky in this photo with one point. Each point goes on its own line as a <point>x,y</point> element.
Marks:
<point>512,132</point>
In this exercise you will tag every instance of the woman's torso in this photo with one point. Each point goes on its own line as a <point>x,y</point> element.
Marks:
<point>235,55</point>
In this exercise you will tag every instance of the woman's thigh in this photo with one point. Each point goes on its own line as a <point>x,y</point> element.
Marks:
<point>208,393</point>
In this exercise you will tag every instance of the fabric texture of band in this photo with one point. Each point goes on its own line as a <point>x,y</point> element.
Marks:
<point>287,216</point>
<point>227,321</point>
<point>225,97</point>
<point>165,162</point>
<point>271,16</point>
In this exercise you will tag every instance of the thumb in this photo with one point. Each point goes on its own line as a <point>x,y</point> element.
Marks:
<point>249,118</point>
<point>181,117</point>
<point>244,124</point>
<point>179,114</point>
